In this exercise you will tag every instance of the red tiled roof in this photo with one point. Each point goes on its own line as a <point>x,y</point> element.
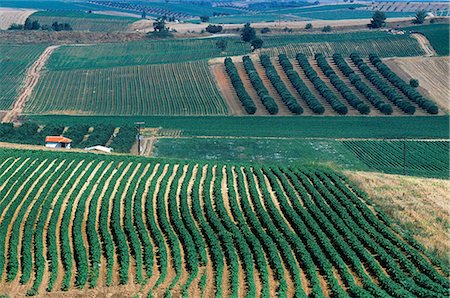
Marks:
<point>57,139</point>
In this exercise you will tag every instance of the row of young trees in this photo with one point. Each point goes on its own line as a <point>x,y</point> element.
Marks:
<point>279,85</point>
<point>257,83</point>
<point>320,86</point>
<point>345,91</point>
<point>362,87</point>
<point>236,81</point>
<point>35,25</point>
<point>409,91</point>
<point>390,93</point>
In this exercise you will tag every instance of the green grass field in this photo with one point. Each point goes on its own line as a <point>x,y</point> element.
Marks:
<point>141,53</point>
<point>14,62</point>
<point>423,158</point>
<point>437,34</point>
<point>289,127</point>
<point>82,21</point>
<point>166,89</point>
<point>259,150</point>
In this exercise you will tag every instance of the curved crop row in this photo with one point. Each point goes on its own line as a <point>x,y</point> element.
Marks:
<point>242,94</point>
<point>371,95</point>
<point>409,91</point>
<point>346,92</point>
<point>300,86</point>
<point>389,92</point>
<point>263,94</point>
<point>279,85</point>
<point>323,89</point>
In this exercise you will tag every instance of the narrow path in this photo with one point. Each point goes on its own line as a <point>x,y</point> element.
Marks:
<point>425,44</point>
<point>29,83</point>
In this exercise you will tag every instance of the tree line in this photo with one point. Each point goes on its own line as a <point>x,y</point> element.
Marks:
<point>35,25</point>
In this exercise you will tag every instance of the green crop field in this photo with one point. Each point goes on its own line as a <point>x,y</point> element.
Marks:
<point>365,43</point>
<point>290,127</point>
<point>14,62</point>
<point>259,150</point>
<point>75,222</point>
<point>423,158</point>
<point>140,53</point>
<point>167,89</point>
<point>82,21</point>
<point>437,34</point>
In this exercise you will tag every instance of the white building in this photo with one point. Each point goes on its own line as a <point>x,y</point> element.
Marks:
<point>58,142</point>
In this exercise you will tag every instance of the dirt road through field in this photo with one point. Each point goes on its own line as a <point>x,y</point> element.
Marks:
<point>29,83</point>
<point>425,44</point>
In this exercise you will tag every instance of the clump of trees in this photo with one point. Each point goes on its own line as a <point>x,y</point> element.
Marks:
<point>414,83</point>
<point>378,20</point>
<point>327,28</point>
<point>35,25</point>
<point>160,29</point>
<point>248,34</point>
<point>222,44</point>
<point>214,29</point>
<point>204,19</point>
<point>420,17</point>
<point>308,26</point>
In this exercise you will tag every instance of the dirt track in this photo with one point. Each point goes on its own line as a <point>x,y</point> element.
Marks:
<point>425,44</point>
<point>29,83</point>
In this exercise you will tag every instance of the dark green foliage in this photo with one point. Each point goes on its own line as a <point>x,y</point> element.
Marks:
<point>300,86</point>
<point>257,83</point>
<point>222,44</point>
<point>420,17</point>
<point>242,94</point>
<point>248,33</point>
<point>345,91</point>
<point>406,89</point>
<point>100,135</point>
<point>125,139</point>
<point>320,86</point>
<point>265,30</point>
<point>378,20</point>
<point>308,26</point>
<point>256,43</point>
<point>370,94</point>
<point>279,85</point>
<point>214,29</point>
<point>414,83</point>
<point>327,28</point>
<point>393,95</point>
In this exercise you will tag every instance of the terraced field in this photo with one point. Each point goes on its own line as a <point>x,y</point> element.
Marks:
<point>166,89</point>
<point>14,62</point>
<point>151,227</point>
<point>415,158</point>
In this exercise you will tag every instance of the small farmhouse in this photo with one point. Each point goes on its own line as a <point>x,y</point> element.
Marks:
<point>58,142</point>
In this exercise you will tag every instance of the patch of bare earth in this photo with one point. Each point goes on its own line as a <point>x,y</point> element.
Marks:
<point>433,74</point>
<point>29,83</point>
<point>425,44</point>
<point>9,16</point>
<point>226,89</point>
<point>419,205</point>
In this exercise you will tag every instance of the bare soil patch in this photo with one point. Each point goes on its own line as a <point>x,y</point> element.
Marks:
<point>433,74</point>
<point>9,16</point>
<point>419,205</point>
<point>425,44</point>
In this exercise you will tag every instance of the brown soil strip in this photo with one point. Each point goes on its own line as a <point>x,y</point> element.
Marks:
<point>10,175</point>
<point>133,264</point>
<point>425,44</point>
<point>433,74</point>
<point>116,266</point>
<point>373,109</point>
<point>111,139</point>
<point>419,110</point>
<point>273,283</point>
<point>63,208</point>
<point>328,109</point>
<point>306,110</point>
<point>24,197</point>
<point>29,83</point>
<point>226,89</point>
<point>260,108</point>
<point>225,197</point>
<point>351,111</point>
<point>282,109</point>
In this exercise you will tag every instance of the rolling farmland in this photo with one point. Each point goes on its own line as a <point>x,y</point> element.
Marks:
<point>167,89</point>
<point>437,34</point>
<point>148,226</point>
<point>81,21</point>
<point>14,62</point>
